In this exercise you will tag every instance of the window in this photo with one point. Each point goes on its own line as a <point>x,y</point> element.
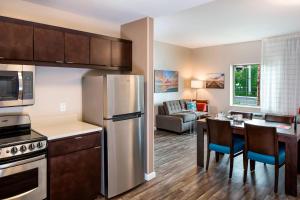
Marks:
<point>246,85</point>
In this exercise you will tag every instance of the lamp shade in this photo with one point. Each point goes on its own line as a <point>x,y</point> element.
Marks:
<point>196,84</point>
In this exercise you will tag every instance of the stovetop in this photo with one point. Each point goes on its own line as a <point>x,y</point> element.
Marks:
<point>17,139</point>
<point>14,139</point>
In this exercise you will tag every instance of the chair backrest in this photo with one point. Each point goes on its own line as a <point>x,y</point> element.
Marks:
<point>261,139</point>
<point>246,115</point>
<point>219,132</point>
<point>287,119</point>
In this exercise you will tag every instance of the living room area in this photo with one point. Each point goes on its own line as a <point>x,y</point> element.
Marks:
<point>229,63</point>
<point>242,67</point>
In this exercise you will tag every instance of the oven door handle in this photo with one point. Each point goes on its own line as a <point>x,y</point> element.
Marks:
<point>20,80</point>
<point>20,195</point>
<point>20,162</point>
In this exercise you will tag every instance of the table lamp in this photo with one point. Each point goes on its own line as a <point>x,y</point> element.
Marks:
<point>197,84</point>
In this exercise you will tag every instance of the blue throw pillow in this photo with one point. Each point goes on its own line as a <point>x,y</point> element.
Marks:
<point>191,106</point>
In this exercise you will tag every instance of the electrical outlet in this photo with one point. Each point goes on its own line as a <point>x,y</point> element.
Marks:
<point>62,107</point>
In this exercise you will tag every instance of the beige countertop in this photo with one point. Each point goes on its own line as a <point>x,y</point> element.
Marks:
<point>54,129</point>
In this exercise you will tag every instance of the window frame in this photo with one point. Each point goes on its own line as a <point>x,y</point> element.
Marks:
<point>232,77</point>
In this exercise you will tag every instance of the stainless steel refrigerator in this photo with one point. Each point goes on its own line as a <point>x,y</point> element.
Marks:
<point>116,102</point>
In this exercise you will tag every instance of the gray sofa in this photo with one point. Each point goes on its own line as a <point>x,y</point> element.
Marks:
<point>173,116</point>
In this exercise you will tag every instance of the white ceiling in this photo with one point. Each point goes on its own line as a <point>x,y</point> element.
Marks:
<point>195,23</point>
<point>229,21</point>
<point>121,11</point>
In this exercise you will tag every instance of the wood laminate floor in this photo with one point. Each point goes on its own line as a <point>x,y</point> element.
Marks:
<point>177,176</point>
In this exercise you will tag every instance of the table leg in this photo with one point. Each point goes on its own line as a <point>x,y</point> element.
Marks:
<point>200,146</point>
<point>291,147</point>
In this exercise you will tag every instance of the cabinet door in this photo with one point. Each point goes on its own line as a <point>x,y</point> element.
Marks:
<point>100,52</point>
<point>48,45</point>
<point>16,41</point>
<point>121,54</point>
<point>75,175</point>
<point>77,48</point>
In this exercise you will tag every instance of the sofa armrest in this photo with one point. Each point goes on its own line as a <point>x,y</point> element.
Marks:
<point>168,122</point>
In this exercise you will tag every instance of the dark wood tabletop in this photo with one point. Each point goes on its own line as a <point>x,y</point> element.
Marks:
<point>286,133</point>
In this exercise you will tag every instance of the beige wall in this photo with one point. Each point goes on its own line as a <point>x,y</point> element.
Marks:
<point>55,85</point>
<point>176,58</point>
<point>141,33</point>
<point>42,14</point>
<point>218,59</point>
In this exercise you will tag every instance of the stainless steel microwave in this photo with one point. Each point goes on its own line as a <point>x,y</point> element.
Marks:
<point>16,85</point>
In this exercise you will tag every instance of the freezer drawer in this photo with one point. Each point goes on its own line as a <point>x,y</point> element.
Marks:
<point>125,154</point>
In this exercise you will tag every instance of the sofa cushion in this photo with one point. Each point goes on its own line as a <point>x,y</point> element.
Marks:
<point>172,107</point>
<point>185,116</point>
<point>161,110</point>
<point>191,106</point>
<point>183,104</point>
<point>201,107</point>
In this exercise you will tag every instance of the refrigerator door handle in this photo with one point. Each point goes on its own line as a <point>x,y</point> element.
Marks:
<point>122,117</point>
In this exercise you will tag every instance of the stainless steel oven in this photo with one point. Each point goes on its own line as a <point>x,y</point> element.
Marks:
<point>24,179</point>
<point>16,85</point>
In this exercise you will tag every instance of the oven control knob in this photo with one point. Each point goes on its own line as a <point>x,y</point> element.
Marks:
<point>23,148</point>
<point>14,150</point>
<point>40,145</point>
<point>31,147</point>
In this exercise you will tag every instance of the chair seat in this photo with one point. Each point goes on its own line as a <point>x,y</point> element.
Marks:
<point>238,145</point>
<point>267,158</point>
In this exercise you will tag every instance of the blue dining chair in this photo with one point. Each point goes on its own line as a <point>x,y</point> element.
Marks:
<point>221,140</point>
<point>262,146</point>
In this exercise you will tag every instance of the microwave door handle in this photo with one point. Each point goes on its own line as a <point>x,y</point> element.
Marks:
<point>20,80</point>
<point>18,196</point>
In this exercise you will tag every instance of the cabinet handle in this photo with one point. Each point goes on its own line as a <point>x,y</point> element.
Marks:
<point>78,138</point>
<point>97,147</point>
<point>59,61</point>
<point>70,62</point>
<point>1,57</point>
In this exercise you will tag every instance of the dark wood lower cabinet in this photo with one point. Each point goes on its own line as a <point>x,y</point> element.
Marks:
<point>76,175</point>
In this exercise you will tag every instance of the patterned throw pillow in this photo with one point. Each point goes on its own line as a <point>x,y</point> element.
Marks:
<point>191,106</point>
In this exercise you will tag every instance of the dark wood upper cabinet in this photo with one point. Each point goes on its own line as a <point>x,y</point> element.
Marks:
<point>121,54</point>
<point>100,51</point>
<point>25,42</point>
<point>77,48</point>
<point>48,44</point>
<point>16,41</point>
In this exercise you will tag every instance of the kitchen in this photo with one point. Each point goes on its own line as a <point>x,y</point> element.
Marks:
<point>58,105</point>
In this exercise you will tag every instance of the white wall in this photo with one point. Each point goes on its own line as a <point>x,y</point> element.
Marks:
<point>218,59</point>
<point>175,58</point>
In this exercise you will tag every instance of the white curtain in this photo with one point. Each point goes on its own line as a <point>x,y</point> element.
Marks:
<point>280,74</point>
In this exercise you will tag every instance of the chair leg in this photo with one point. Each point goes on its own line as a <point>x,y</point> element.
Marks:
<point>207,159</point>
<point>276,178</point>
<point>252,165</point>
<point>217,156</point>
<point>231,165</point>
<point>245,168</point>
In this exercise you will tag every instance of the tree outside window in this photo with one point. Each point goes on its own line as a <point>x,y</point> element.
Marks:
<point>246,81</point>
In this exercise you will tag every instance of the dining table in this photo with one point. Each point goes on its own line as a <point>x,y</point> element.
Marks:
<point>287,133</point>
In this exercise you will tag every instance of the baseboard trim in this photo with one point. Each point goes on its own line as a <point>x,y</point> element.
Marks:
<point>150,176</point>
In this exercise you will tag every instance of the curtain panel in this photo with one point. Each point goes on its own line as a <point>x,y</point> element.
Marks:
<point>280,74</point>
